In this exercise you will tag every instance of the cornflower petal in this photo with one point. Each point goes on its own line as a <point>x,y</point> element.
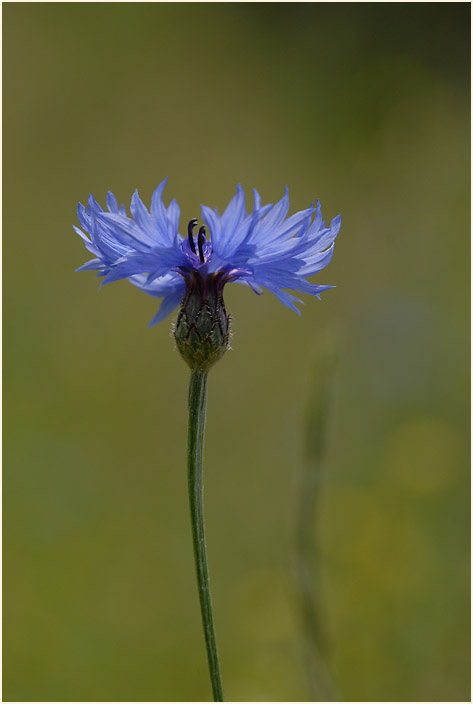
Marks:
<point>316,262</point>
<point>264,249</point>
<point>275,217</point>
<point>91,265</point>
<point>232,216</point>
<point>141,216</point>
<point>173,214</point>
<point>170,288</point>
<point>82,235</point>
<point>94,207</point>
<point>213,220</point>
<point>112,203</point>
<point>126,231</point>
<point>158,211</point>
<point>256,200</point>
<point>168,305</point>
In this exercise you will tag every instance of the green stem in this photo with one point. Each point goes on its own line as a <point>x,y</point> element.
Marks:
<point>195,444</point>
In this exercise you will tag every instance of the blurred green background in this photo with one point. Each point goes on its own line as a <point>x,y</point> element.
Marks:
<point>365,106</point>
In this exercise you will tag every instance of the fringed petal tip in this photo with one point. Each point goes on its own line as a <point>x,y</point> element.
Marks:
<point>267,248</point>
<point>92,265</point>
<point>168,305</point>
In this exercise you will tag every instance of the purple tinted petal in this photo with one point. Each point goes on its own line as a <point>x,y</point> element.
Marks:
<point>164,286</point>
<point>173,215</point>
<point>158,211</point>
<point>112,204</point>
<point>81,234</point>
<point>232,216</point>
<point>256,200</point>
<point>141,216</point>
<point>94,207</point>
<point>313,264</point>
<point>277,214</point>
<point>126,231</point>
<point>91,265</point>
<point>169,303</point>
<point>84,220</point>
<point>213,221</point>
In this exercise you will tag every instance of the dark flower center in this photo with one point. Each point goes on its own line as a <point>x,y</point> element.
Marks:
<point>200,239</point>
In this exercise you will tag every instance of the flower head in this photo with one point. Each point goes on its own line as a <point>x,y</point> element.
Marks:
<point>263,249</point>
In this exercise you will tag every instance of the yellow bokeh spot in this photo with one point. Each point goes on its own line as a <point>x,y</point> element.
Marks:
<point>424,456</point>
<point>263,602</point>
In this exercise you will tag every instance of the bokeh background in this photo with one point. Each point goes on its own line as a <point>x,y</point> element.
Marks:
<point>365,106</point>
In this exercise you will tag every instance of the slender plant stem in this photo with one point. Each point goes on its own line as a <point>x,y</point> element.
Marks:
<point>195,445</point>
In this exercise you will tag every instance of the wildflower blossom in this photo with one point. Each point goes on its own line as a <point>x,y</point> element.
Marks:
<point>263,249</point>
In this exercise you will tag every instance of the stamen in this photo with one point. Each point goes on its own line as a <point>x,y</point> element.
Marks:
<point>200,243</point>
<point>190,234</point>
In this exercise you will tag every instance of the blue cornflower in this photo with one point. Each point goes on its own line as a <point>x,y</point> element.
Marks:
<point>262,249</point>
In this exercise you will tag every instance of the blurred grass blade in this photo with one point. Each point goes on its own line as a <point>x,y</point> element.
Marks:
<point>308,564</point>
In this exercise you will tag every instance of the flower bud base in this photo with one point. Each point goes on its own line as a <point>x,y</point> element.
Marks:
<point>202,330</point>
